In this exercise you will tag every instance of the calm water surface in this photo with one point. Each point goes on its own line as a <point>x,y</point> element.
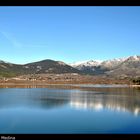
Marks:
<point>56,110</point>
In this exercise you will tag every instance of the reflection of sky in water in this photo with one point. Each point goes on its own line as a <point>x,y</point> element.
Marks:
<point>69,111</point>
<point>49,98</point>
<point>111,101</point>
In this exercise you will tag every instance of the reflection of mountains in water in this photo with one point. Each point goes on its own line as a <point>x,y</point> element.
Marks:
<point>97,99</point>
<point>32,98</point>
<point>121,99</point>
<point>116,102</point>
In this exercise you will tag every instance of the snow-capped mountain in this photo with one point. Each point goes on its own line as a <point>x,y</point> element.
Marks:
<point>109,66</point>
<point>133,58</point>
<point>122,67</point>
<point>129,67</point>
<point>96,63</point>
<point>86,64</point>
<point>112,63</point>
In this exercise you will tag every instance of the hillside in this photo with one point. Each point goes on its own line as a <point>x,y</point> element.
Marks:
<point>49,66</point>
<point>129,66</point>
<point>117,68</point>
<point>45,66</point>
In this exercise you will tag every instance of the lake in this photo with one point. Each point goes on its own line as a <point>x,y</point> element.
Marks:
<point>60,110</point>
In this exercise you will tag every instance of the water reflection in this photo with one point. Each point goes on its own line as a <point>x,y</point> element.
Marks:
<point>32,98</point>
<point>122,100</point>
<point>107,101</point>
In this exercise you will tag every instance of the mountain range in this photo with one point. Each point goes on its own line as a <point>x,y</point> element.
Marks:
<point>129,66</point>
<point>45,66</point>
<point>122,67</point>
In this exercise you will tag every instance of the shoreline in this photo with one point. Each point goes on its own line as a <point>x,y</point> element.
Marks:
<point>134,85</point>
<point>68,84</point>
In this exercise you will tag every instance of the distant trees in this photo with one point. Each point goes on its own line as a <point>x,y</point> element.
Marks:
<point>136,81</point>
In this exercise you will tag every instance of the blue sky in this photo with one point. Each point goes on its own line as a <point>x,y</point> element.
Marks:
<point>68,34</point>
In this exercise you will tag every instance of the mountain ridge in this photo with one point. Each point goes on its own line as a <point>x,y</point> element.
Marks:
<point>44,66</point>
<point>111,67</point>
<point>129,66</point>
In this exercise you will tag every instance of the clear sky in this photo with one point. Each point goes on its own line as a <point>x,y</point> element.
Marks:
<point>68,34</point>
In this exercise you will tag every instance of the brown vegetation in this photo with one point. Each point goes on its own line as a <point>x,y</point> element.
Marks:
<point>69,78</point>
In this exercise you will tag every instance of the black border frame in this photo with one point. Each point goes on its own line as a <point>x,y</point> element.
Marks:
<point>71,3</point>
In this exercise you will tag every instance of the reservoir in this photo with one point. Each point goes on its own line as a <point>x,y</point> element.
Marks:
<point>82,110</point>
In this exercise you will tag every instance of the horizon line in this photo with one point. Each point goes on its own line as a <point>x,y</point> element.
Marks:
<point>65,61</point>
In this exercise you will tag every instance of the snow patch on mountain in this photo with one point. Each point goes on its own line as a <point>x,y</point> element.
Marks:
<point>86,63</point>
<point>61,63</point>
<point>107,64</point>
<point>133,58</point>
<point>113,62</point>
